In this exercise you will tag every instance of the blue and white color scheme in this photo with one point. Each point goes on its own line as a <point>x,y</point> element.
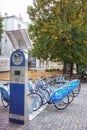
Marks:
<point>18,111</point>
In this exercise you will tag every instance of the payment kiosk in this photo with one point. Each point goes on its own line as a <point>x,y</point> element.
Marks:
<point>18,110</point>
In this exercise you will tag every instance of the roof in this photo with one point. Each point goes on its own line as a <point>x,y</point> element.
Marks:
<point>19,39</point>
<point>15,17</point>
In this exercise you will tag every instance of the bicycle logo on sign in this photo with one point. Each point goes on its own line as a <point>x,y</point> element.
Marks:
<point>17,58</point>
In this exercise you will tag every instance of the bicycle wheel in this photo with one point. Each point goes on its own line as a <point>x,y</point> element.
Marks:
<point>34,101</point>
<point>5,102</point>
<point>45,95</point>
<point>71,97</point>
<point>76,91</point>
<point>62,104</point>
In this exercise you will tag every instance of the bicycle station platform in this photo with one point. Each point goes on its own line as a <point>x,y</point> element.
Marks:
<point>74,117</point>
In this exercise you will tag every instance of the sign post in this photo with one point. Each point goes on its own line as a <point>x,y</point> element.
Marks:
<point>18,110</point>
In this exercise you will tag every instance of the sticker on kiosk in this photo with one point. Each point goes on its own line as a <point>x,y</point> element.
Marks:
<point>17,58</point>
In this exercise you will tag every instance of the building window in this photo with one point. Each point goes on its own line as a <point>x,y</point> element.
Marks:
<point>19,26</point>
<point>31,62</point>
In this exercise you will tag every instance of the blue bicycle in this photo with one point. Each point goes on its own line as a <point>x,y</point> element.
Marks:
<point>5,97</point>
<point>37,96</point>
<point>59,97</point>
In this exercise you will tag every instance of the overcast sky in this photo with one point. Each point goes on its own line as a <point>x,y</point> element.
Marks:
<point>15,7</point>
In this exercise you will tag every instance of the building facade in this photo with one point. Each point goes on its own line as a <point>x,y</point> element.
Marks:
<point>6,48</point>
<point>10,23</point>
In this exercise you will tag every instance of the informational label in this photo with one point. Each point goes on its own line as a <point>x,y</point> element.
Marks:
<point>4,64</point>
<point>17,75</point>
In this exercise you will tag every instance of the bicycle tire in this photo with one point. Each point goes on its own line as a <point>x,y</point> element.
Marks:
<point>5,102</point>
<point>76,91</point>
<point>71,97</point>
<point>45,95</point>
<point>79,87</point>
<point>34,101</point>
<point>62,104</point>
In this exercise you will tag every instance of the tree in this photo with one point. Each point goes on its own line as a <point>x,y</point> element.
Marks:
<point>1,27</point>
<point>59,29</point>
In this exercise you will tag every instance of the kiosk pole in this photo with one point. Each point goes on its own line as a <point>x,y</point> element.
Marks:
<point>18,110</point>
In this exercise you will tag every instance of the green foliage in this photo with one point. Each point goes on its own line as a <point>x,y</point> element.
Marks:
<point>58,30</point>
<point>1,26</point>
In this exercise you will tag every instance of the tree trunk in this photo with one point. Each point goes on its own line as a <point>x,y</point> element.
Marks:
<point>77,68</point>
<point>71,69</point>
<point>64,67</point>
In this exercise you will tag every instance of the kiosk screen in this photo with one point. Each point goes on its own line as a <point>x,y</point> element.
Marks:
<point>17,72</point>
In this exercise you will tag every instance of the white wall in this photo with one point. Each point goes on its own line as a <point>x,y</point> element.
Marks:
<point>10,23</point>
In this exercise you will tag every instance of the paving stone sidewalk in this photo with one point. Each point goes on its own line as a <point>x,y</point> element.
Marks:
<point>74,117</point>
